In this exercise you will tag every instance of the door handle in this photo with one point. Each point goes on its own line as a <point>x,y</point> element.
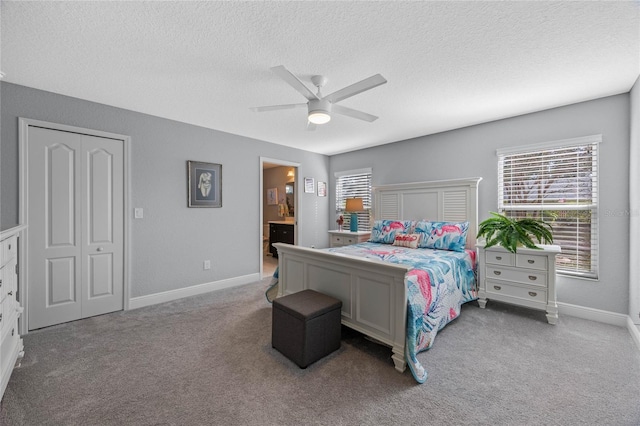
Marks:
<point>99,249</point>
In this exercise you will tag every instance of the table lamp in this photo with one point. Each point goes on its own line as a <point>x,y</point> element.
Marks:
<point>354,205</point>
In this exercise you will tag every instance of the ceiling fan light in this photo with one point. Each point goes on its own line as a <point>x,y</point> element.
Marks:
<point>319,111</point>
<point>319,117</point>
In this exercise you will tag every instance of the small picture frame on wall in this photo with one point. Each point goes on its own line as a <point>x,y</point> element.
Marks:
<point>309,185</point>
<point>272,196</point>
<point>322,189</point>
<point>204,184</point>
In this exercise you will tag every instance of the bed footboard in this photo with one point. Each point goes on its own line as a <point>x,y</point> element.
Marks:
<point>373,293</point>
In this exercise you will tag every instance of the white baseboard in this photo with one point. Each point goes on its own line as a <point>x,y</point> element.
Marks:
<point>593,314</point>
<point>606,317</point>
<point>168,296</point>
<point>634,330</point>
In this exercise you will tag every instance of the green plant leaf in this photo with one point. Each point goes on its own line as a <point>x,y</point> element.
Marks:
<point>510,233</point>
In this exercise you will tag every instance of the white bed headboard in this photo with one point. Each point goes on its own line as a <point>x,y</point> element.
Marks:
<point>453,200</point>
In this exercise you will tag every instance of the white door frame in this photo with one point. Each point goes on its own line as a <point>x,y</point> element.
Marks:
<point>23,205</point>
<point>261,200</point>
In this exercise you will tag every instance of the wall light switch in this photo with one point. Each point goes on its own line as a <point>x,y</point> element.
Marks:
<point>137,213</point>
<point>207,265</point>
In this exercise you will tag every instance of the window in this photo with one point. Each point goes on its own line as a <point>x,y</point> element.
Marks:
<point>354,183</point>
<point>557,182</point>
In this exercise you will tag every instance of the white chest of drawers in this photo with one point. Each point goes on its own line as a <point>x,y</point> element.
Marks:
<point>11,347</point>
<point>345,238</point>
<point>525,278</point>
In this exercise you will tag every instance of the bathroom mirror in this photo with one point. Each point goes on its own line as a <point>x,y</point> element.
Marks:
<point>289,190</point>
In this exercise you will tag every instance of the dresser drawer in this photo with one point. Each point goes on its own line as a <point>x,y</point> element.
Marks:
<point>10,342</point>
<point>532,261</point>
<point>525,293</point>
<point>8,249</point>
<point>500,258</point>
<point>343,240</point>
<point>537,278</point>
<point>8,280</point>
<point>8,314</point>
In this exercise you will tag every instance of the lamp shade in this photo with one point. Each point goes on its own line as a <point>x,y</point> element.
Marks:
<point>354,205</point>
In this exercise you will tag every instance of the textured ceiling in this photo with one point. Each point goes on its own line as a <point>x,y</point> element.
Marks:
<point>448,64</point>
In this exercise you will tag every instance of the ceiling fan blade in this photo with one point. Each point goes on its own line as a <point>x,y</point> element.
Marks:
<point>354,89</point>
<point>354,113</point>
<point>311,126</point>
<point>276,107</point>
<point>294,82</point>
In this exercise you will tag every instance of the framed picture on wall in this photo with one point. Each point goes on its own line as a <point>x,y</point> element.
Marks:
<point>204,184</point>
<point>309,184</point>
<point>272,196</point>
<point>322,189</point>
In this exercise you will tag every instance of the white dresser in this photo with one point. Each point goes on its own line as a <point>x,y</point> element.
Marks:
<point>345,238</point>
<point>525,278</point>
<point>11,348</point>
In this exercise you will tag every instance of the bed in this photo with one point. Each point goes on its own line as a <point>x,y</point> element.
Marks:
<point>377,289</point>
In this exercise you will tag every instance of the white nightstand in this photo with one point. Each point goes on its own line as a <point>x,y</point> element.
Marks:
<point>345,238</point>
<point>525,278</point>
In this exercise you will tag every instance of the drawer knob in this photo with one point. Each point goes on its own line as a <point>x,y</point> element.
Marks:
<point>0,317</point>
<point>497,272</point>
<point>9,246</point>
<point>497,287</point>
<point>531,261</point>
<point>10,293</point>
<point>533,277</point>
<point>498,257</point>
<point>533,294</point>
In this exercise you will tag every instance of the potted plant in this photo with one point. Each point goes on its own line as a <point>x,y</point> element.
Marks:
<point>510,233</point>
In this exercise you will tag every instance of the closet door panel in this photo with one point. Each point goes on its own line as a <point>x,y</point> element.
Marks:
<point>55,245</point>
<point>103,226</point>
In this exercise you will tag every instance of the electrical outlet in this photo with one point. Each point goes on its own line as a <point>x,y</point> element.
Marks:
<point>138,213</point>
<point>207,265</point>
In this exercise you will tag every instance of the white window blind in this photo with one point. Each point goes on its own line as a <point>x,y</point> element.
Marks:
<point>354,183</point>
<point>556,182</point>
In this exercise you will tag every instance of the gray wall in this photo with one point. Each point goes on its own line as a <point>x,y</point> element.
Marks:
<point>170,244</point>
<point>634,205</point>
<point>471,152</point>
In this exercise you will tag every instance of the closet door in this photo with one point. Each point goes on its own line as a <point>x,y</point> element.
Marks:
<point>102,226</point>
<point>75,187</point>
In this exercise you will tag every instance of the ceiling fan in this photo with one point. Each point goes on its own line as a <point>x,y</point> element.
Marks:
<point>320,108</point>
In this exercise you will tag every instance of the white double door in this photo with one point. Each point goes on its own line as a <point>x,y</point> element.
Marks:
<point>76,230</point>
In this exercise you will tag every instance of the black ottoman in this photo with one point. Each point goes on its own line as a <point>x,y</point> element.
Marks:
<point>306,326</point>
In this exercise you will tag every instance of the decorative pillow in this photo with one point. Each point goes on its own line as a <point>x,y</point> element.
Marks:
<point>384,231</point>
<point>406,240</point>
<point>423,228</point>
<point>445,236</point>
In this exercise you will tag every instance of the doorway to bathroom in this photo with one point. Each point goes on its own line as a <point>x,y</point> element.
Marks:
<point>279,205</point>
